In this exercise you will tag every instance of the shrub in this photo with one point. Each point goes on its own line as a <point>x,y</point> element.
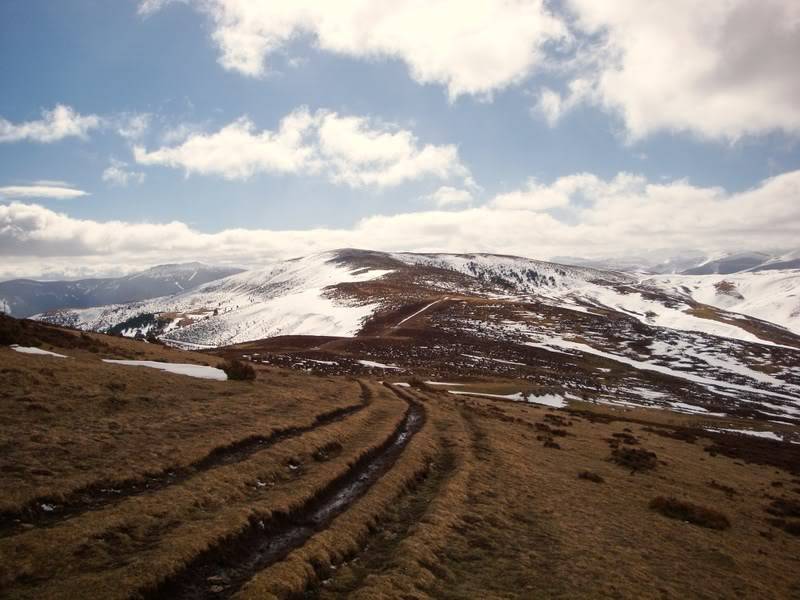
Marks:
<point>692,513</point>
<point>635,459</point>
<point>589,476</point>
<point>10,331</point>
<point>237,370</point>
<point>784,507</point>
<point>419,383</point>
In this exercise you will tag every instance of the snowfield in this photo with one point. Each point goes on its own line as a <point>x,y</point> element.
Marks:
<point>772,296</point>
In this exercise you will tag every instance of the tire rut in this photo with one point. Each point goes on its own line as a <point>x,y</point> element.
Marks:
<point>380,549</point>
<point>47,511</point>
<point>223,569</point>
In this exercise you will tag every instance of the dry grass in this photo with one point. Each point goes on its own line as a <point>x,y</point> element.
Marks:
<point>474,507</point>
<point>167,529</point>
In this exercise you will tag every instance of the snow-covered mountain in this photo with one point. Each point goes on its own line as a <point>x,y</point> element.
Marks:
<point>768,294</point>
<point>25,297</point>
<point>288,297</point>
<point>695,343</point>
<point>325,294</point>
<point>340,293</point>
<point>694,262</point>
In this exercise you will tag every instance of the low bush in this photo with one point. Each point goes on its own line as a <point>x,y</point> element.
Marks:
<point>689,512</point>
<point>590,476</point>
<point>635,459</point>
<point>238,370</point>
<point>11,331</point>
<point>419,383</point>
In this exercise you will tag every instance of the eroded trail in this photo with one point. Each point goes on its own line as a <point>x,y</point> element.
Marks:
<point>46,511</point>
<point>222,570</point>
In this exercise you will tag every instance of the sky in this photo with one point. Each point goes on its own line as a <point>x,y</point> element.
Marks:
<point>134,133</point>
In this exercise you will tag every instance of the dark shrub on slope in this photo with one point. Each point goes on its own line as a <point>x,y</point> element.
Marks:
<point>238,370</point>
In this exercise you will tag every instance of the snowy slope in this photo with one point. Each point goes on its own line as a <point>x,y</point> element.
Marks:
<point>285,298</point>
<point>771,295</point>
<point>305,297</point>
<point>580,288</point>
<point>514,272</point>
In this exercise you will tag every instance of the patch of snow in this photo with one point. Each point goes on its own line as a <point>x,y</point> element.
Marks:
<point>498,360</point>
<point>376,365</point>
<point>768,435</point>
<point>199,371</point>
<point>420,311</point>
<point>37,351</point>
<point>553,400</point>
<point>712,384</point>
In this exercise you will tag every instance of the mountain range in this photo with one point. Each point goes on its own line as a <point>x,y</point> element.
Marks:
<point>25,297</point>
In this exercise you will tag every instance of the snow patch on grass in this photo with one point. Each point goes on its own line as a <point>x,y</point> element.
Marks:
<point>199,371</point>
<point>37,351</point>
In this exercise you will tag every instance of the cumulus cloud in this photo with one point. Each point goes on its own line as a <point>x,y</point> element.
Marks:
<point>624,214</point>
<point>118,174</point>
<point>55,125</point>
<point>470,47</point>
<point>355,151</point>
<point>55,190</point>
<point>721,70</point>
<point>447,195</point>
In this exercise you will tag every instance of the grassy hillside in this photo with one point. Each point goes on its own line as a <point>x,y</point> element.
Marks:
<point>129,482</point>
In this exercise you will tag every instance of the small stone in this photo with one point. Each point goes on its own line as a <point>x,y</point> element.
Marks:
<point>216,589</point>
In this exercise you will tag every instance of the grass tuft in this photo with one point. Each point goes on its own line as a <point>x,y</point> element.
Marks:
<point>689,512</point>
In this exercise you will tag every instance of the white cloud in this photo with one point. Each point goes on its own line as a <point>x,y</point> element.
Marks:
<point>178,133</point>
<point>56,124</point>
<point>55,190</point>
<point>133,126</point>
<point>118,174</point>
<point>473,47</point>
<point>624,214</point>
<point>352,150</point>
<point>358,152</point>
<point>449,196</point>
<point>720,70</point>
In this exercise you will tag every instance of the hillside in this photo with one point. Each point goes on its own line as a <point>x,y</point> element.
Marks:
<point>629,341</point>
<point>511,475</point>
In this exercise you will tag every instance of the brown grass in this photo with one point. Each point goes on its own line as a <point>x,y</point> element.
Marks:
<point>475,507</point>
